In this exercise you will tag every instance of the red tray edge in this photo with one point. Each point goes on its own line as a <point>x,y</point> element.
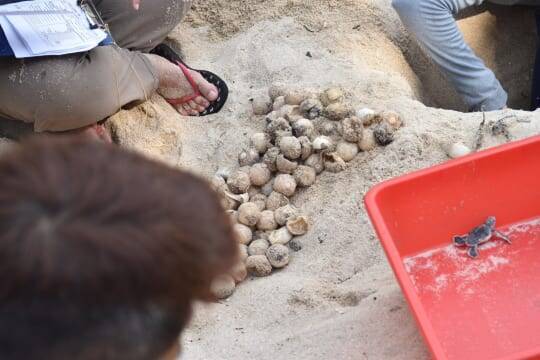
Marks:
<point>396,262</point>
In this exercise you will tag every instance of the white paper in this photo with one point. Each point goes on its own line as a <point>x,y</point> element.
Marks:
<point>54,33</point>
<point>16,43</point>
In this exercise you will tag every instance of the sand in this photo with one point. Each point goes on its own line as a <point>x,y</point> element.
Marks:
<point>338,298</point>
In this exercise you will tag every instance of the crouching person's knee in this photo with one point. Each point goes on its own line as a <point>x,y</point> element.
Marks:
<point>94,86</point>
<point>73,109</point>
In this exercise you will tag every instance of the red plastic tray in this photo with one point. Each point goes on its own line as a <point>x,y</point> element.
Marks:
<point>484,308</point>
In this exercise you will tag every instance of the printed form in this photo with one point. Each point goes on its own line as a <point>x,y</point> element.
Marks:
<point>48,27</point>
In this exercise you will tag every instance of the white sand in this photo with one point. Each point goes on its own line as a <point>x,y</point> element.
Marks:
<point>338,298</point>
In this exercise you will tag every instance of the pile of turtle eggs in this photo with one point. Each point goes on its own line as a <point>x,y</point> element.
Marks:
<point>306,134</point>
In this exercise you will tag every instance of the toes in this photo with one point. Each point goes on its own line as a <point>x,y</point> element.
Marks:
<point>189,110</point>
<point>202,102</point>
<point>181,110</point>
<point>193,105</point>
<point>209,91</point>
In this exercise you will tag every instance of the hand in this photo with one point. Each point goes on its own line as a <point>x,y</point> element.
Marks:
<point>136,4</point>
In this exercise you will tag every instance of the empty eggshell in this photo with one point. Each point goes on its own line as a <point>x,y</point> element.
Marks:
<point>248,157</point>
<point>311,108</point>
<point>298,225</point>
<point>278,255</point>
<point>276,200</point>
<point>224,173</point>
<point>249,214</point>
<point>259,200</point>
<point>270,158</point>
<point>316,162</point>
<point>303,127</point>
<point>284,165</point>
<point>280,236</point>
<point>327,127</point>
<point>284,213</point>
<point>337,111</point>
<point>259,234</point>
<point>267,221</point>
<point>233,201</point>
<point>278,127</point>
<point>287,110</point>
<point>333,163</point>
<point>277,89</point>
<point>260,142</point>
<point>267,188</point>
<point>331,96</point>
<point>384,133</point>
<point>294,97</point>
<point>223,286</point>
<point>290,147</point>
<point>393,119</point>
<point>305,175</point>
<point>253,190</point>
<point>279,102</point>
<point>353,129</point>
<point>457,150</point>
<point>262,104</point>
<point>285,184</point>
<point>366,115</point>
<point>368,141</point>
<point>258,265</point>
<point>347,150</point>
<point>259,174</point>
<point>242,233</point>
<point>295,244</point>
<point>258,247</point>
<point>307,147</point>
<point>239,182</point>
<point>322,143</point>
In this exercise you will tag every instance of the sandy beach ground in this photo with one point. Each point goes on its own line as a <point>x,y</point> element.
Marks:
<point>338,298</point>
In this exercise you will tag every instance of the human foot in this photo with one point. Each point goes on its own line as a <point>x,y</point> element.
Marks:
<point>173,84</point>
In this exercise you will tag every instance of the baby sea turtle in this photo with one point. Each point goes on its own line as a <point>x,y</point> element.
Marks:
<point>479,235</point>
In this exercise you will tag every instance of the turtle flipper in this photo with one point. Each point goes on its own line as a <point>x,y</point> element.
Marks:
<point>460,240</point>
<point>502,236</point>
<point>473,251</point>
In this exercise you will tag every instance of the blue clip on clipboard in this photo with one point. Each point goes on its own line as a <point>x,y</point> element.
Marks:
<point>5,48</point>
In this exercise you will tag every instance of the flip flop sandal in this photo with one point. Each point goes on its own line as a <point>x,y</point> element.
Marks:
<point>215,106</point>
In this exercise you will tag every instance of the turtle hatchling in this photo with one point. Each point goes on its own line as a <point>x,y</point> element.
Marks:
<point>479,235</point>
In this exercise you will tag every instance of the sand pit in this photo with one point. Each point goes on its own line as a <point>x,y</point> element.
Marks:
<point>337,299</point>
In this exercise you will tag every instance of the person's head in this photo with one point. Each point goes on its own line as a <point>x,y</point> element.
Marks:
<point>102,252</point>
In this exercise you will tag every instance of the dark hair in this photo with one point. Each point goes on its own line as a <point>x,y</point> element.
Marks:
<point>102,251</point>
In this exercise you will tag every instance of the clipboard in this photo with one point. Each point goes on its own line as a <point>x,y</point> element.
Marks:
<point>94,21</point>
